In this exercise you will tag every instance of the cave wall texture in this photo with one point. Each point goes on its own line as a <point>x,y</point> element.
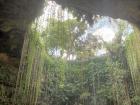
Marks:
<point>16,16</point>
<point>124,9</point>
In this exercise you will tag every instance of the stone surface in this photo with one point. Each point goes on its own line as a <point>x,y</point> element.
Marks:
<point>16,15</point>
<point>124,9</point>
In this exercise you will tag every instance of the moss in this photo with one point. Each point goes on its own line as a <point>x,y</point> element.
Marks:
<point>133,58</point>
<point>8,77</point>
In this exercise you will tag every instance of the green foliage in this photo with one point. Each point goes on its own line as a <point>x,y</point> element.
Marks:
<point>7,83</point>
<point>62,34</point>
<point>101,80</point>
<point>136,100</point>
<point>133,58</point>
<point>50,79</point>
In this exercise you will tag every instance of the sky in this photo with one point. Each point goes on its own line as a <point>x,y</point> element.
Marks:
<point>106,33</point>
<point>103,28</point>
<point>106,27</point>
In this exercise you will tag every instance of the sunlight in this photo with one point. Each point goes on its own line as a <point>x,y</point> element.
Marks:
<point>107,34</point>
<point>101,52</point>
<point>70,52</point>
<point>53,10</point>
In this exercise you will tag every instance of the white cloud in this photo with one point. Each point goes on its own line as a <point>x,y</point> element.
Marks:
<point>106,33</point>
<point>101,52</point>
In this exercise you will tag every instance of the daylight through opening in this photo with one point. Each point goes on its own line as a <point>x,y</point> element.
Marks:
<point>68,60</point>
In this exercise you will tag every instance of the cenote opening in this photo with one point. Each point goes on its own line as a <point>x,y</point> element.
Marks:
<point>69,55</point>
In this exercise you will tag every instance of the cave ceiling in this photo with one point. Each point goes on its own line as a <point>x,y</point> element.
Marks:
<point>16,15</point>
<point>124,9</point>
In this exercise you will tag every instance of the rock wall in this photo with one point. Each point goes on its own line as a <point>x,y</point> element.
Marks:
<point>15,18</point>
<point>124,9</point>
<point>8,75</point>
